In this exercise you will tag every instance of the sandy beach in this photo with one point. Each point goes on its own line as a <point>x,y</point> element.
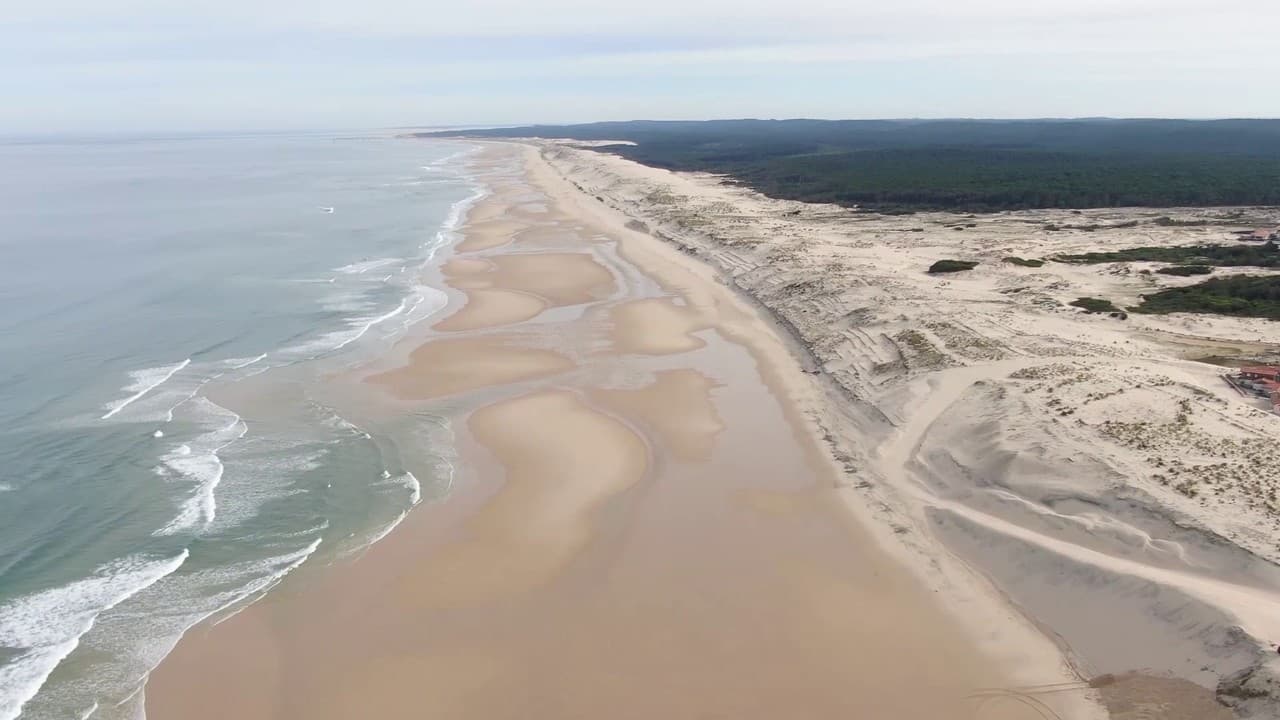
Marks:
<point>646,521</point>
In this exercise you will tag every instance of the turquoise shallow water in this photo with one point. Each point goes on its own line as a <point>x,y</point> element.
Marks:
<point>142,282</point>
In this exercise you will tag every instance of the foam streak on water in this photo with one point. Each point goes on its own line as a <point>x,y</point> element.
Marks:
<point>239,363</point>
<point>146,628</point>
<point>198,463</point>
<point>144,381</point>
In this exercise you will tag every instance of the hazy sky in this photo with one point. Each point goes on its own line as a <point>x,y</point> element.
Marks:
<point>238,64</point>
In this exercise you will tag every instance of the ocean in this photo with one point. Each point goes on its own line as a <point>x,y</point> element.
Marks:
<point>170,311</point>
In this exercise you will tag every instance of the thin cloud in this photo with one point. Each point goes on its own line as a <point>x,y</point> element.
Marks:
<point>393,62</point>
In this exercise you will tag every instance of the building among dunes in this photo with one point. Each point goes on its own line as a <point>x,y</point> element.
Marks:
<point>1273,389</point>
<point>1260,373</point>
<point>1264,380</point>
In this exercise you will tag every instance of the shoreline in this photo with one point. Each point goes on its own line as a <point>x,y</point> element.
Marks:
<point>489,543</point>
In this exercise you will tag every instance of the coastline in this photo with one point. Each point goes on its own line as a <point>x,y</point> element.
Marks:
<point>607,508</point>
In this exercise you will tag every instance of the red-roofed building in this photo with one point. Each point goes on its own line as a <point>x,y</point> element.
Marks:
<point>1261,372</point>
<point>1265,384</point>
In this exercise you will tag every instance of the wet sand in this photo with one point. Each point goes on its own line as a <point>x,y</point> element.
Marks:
<point>657,326</point>
<point>453,365</point>
<point>644,525</point>
<point>507,289</point>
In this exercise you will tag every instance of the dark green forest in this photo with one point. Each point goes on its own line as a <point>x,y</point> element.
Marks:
<point>962,165</point>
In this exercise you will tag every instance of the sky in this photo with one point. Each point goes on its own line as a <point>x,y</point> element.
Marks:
<point>143,65</point>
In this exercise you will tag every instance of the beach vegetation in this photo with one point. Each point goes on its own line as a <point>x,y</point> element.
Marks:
<point>1239,295</point>
<point>1265,255</point>
<point>1166,221</point>
<point>1021,262</point>
<point>1185,270</point>
<point>1095,305</point>
<point>950,266</point>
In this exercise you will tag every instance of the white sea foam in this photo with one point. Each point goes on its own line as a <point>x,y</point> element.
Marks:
<point>347,301</point>
<point>459,211</point>
<point>44,627</point>
<point>200,465</point>
<point>239,363</point>
<point>5,487</point>
<point>448,160</point>
<point>335,340</point>
<point>363,325</point>
<point>146,628</point>
<point>377,536</point>
<point>364,266</point>
<point>414,487</point>
<point>262,469</point>
<point>144,381</point>
<point>337,422</point>
<point>279,568</point>
<point>304,533</point>
<point>421,302</point>
<point>161,405</point>
<point>408,481</point>
<point>89,711</point>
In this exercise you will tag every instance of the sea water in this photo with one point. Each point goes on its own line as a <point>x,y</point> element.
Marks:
<point>144,280</point>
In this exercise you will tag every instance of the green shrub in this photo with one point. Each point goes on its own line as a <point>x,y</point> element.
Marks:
<point>1265,255</point>
<point>1166,221</point>
<point>1023,263</point>
<point>1095,305</point>
<point>1185,270</point>
<point>950,266</point>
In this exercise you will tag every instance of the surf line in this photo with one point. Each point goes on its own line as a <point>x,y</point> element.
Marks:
<point>146,389</point>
